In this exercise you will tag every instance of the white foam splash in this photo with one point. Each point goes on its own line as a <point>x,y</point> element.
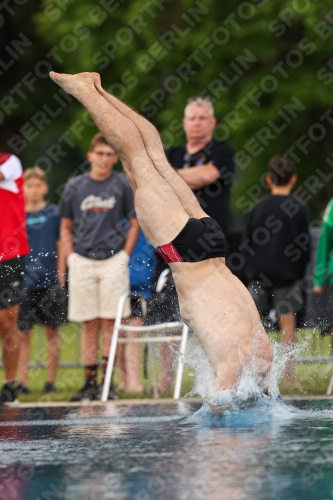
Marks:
<point>248,386</point>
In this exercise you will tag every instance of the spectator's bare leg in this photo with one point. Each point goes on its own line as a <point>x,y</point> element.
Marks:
<point>24,357</point>
<point>159,210</point>
<point>133,359</point>
<point>155,151</point>
<point>121,364</point>
<point>89,342</point>
<point>10,341</point>
<point>107,329</point>
<point>167,359</point>
<point>287,323</point>
<point>53,352</point>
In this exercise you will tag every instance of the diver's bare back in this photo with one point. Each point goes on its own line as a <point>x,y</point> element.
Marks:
<point>221,313</point>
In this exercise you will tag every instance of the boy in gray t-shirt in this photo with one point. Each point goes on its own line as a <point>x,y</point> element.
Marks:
<point>93,209</point>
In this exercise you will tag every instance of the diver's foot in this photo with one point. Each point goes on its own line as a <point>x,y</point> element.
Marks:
<point>97,81</point>
<point>76,85</point>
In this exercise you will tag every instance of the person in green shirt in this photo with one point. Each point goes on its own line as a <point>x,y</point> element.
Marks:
<point>324,256</point>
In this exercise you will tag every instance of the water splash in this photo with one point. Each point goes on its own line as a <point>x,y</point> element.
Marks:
<point>247,391</point>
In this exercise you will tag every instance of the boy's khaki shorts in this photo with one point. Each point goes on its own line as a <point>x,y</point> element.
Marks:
<point>95,286</point>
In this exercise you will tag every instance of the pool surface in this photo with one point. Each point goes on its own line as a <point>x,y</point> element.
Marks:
<point>167,451</point>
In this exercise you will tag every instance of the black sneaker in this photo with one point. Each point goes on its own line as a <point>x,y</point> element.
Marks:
<point>87,393</point>
<point>22,389</point>
<point>49,387</point>
<point>112,392</point>
<point>9,394</point>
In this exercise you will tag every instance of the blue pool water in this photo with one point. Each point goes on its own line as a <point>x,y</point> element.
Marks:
<point>261,451</point>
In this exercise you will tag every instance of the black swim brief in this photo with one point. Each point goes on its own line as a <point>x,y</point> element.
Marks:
<point>200,239</point>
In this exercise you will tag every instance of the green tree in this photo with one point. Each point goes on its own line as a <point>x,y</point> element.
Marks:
<point>266,65</point>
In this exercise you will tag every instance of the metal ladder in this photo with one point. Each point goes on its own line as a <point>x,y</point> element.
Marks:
<point>118,326</point>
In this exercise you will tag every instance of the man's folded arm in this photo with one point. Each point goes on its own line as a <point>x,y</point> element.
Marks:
<point>198,177</point>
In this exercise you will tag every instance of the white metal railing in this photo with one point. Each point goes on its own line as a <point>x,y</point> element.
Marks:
<point>118,326</point>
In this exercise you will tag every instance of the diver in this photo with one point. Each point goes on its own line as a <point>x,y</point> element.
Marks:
<point>215,305</point>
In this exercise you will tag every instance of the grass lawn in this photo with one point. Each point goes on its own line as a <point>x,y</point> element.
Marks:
<point>313,377</point>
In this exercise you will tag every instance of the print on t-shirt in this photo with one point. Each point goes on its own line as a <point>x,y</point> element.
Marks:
<point>97,204</point>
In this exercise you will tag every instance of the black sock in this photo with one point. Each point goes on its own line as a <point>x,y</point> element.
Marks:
<point>91,373</point>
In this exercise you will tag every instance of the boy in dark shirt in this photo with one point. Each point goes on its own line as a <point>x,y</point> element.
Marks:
<point>276,249</point>
<point>43,301</point>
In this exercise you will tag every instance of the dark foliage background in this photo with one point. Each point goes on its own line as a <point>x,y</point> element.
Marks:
<point>268,67</point>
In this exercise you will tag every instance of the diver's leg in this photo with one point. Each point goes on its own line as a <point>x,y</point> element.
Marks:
<point>159,211</point>
<point>155,151</point>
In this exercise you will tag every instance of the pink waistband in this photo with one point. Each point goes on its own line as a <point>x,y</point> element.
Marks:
<point>169,253</point>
